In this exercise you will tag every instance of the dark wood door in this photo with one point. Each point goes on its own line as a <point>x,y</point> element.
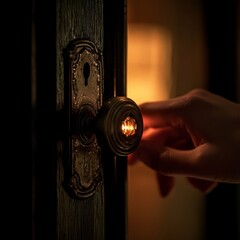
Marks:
<point>56,214</point>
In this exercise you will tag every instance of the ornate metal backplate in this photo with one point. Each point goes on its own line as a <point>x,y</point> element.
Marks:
<point>84,90</point>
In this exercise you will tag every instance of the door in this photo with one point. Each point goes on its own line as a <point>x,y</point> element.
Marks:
<point>93,211</point>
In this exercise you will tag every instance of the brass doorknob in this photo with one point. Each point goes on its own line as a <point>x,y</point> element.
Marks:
<point>119,125</point>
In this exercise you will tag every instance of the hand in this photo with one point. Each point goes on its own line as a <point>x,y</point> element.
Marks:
<point>196,135</point>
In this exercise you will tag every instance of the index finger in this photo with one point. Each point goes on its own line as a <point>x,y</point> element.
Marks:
<point>163,113</point>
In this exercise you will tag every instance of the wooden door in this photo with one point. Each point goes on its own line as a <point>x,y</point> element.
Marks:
<point>56,214</point>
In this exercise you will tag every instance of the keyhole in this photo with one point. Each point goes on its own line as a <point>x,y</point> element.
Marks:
<point>86,72</point>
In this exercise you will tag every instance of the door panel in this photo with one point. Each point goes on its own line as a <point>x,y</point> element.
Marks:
<point>78,218</point>
<point>56,213</point>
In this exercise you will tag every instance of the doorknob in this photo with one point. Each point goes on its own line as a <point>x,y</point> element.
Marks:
<point>119,125</point>
<point>90,123</point>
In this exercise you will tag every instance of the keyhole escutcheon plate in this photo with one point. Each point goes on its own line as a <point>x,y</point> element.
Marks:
<point>84,93</point>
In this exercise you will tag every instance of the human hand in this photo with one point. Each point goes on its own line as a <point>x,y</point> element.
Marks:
<point>196,135</point>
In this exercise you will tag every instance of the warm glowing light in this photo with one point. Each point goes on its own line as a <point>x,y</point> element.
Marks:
<point>149,76</point>
<point>129,126</point>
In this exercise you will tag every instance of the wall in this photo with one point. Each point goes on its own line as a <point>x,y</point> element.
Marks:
<point>166,58</point>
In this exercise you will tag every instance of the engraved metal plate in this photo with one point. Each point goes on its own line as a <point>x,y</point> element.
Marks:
<point>84,90</point>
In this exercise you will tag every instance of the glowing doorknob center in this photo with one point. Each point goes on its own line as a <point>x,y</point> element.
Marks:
<point>129,126</point>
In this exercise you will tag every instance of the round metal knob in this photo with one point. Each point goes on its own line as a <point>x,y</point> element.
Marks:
<point>119,125</point>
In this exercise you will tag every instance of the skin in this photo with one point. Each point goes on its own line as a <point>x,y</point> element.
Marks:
<point>196,135</point>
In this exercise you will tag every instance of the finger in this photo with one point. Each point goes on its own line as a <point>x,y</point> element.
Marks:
<point>150,137</point>
<point>135,156</point>
<point>197,163</point>
<point>161,136</point>
<point>142,153</point>
<point>168,136</point>
<point>156,138</point>
<point>170,161</point>
<point>165,184</point>
<point>157,114</point>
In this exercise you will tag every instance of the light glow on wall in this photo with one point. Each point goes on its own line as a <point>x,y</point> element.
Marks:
<point>149,63</point>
